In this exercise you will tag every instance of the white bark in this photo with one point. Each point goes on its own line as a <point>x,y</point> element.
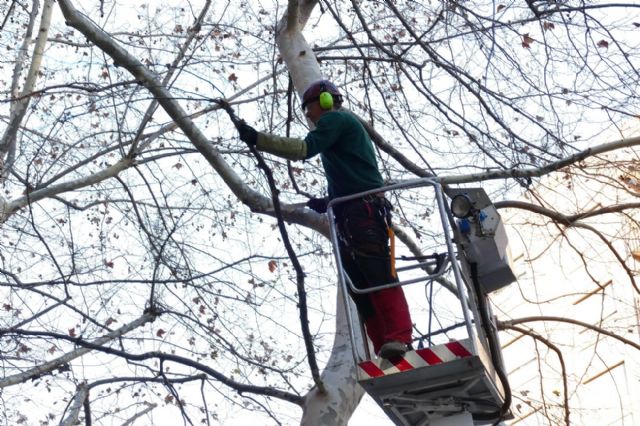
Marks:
<point>9,208</point>
<point>23,51</point>
<point>49,366</point>
<point>293,47</point>
<point>343,394</point>
<point>19,107</point>
<point>132,420</point>
<point>76,406</point>
<point>4,209</point>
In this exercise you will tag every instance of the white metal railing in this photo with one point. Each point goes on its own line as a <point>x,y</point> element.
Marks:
<point>467,304</point>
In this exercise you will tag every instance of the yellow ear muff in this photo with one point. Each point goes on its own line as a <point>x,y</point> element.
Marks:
<point>326,100</point>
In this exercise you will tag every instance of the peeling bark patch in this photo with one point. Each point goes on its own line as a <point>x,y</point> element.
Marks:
<point>329,418</point>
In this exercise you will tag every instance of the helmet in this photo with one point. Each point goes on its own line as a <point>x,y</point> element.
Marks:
<point>324,91</point>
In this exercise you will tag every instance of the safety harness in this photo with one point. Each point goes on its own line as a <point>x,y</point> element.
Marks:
<point>379,209</point>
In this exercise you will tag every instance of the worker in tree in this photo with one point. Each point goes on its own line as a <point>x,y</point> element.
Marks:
<point>350,167</point>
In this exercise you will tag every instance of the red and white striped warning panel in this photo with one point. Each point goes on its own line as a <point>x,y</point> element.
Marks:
<point>415,359</point>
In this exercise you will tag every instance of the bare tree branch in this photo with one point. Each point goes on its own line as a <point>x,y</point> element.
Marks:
<point>558,352</point>
<point>82,393</point>
<point>160,356</point>
<point>543,170</point>
<point>567,220</point>
<point>49,366</point>
<point>513,322</point>
<point>50,191</point>
<point>132,420</point>
<point>18,110</point>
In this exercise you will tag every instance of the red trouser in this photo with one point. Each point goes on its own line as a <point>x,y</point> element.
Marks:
<point>366,260</point>
<point>391,320</point>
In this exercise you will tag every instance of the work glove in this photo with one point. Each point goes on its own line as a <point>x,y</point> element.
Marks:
<point>247,133</point>
<point>318,205</point>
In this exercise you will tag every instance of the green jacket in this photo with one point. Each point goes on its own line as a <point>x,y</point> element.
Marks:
<point>344,146</point>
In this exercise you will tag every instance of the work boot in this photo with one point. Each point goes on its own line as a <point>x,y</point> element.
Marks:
<point>392,348</point>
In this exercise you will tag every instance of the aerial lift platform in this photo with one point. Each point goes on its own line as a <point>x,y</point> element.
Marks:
<point>461,381</point>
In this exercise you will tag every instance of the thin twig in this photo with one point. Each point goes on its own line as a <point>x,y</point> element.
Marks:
<point>558,352</point>
<point>161,356</point>
<point>49,366</point>
<point>510,323</point>
<point>302,293</point>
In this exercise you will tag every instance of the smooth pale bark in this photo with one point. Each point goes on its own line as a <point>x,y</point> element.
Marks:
<point>132,420</point>
<point>342,392</point>
<point>49,366</point>
<point>545,169</point>
<point>19,107</point>
<point>76,406</point>
<point>8,208</point>
<point>4,209</point>
<point>293,47</point>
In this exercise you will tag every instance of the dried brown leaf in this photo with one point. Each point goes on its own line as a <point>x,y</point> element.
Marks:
<point>526,41</point>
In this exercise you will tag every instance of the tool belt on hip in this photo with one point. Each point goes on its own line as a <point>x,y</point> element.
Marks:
<point>364,226</point>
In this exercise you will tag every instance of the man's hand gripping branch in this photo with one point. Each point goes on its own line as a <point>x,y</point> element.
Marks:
<point>248,134</point>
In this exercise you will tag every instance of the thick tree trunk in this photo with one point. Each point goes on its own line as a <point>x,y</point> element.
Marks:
<point>293,47</point>
<point>342,392</point>
<point>19,108</point>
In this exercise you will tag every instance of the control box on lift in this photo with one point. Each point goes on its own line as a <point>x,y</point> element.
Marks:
<point>482,237</point>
